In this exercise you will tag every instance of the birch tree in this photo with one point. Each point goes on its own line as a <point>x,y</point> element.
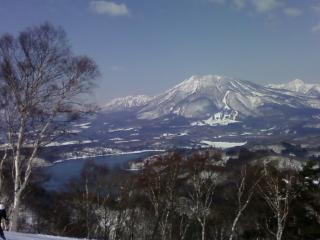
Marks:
<point>43,87</point>
<point>161,180</point>
<point>244,196</point>
<point>202,185</point>
<point>277,189</point>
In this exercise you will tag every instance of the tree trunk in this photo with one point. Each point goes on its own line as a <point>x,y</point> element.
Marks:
<point>87,209</point>
<point>1,168</point>
<point>234,224</point>
<point>15,212</point>
<point>17,179</point>
<point>280,228</point>
<point>203,230</point>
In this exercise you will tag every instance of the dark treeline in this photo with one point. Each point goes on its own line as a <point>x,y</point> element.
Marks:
<point>177,197</point>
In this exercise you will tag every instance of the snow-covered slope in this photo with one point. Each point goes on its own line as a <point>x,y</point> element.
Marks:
<point>314,91</point>
<point>25,236</point>
<point>127,103</point>
<point>298,86</point>
<point>219,98</point>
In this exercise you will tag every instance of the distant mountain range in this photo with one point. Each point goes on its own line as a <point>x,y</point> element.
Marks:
<point>221,99</point>
<point>128,103</point>
<point>298,86</point>
<point>201,111</point>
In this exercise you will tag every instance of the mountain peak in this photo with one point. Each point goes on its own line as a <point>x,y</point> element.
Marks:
<point>296,85</point>
<point>217,98</point>
<point>195,82</point>
<point>126,103</point>
<point>208,78</point>
<point>297,81</point>
<point>204,97</point>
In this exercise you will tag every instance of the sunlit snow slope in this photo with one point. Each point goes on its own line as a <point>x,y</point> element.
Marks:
<point>218,99</point>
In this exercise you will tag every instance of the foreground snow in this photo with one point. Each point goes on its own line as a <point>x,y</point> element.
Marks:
<point>27,236</point>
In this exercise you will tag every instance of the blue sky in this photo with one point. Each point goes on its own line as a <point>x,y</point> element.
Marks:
<point>147,46</point>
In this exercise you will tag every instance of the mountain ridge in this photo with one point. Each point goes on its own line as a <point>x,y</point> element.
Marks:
<point>216,97</point>
<point>125,103</point>
<point>299,86</point>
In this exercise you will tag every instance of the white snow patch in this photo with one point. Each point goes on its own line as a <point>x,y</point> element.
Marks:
<point>223,145</point>
<point>167,135</point>
<point>55,144</point>
<point>183,134</point>
<point>120,129</point>
<point>27,236</point>
<point>269,129</point>
<point>246,133</point>
<point>74,131</point>
<point>116,139</point>
<point>224,100</point>
<point>214,121</point>
<point>83,125</point>
<point>127,141</point>
<point>117,152</point>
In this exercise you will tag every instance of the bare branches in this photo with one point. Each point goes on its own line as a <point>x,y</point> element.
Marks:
<point>203,184</point>
<point>244,196</point>
<point>278,192</point>
<point>43,87</point>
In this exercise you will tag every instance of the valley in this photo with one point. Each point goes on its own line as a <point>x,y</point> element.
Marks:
<point>200,112</point>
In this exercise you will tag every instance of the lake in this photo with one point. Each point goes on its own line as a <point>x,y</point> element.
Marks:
<point>62,172</point>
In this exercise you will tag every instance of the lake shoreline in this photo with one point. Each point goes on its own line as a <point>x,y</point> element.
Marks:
<point>108,154</point>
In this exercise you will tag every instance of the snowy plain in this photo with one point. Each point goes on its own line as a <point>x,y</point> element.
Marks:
<point>26,236</point>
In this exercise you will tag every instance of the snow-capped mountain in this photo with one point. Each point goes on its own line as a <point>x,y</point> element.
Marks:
<point>214,99</point>
<point>298,86</point>
<point>219,98</point>
<point>204,110</point>
<point>314,91</point>
<point>127,103</point>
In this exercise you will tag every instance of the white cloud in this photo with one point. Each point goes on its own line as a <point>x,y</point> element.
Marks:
<point>292,12</point>
<point>265,5</point>
<point>239,3</point>
<point>110,8</point>
<point>316,8</point>
<point>218,1</point>
<point>316,28</point>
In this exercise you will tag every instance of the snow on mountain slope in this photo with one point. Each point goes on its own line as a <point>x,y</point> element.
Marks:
<point>218,97</point>
<point>126,103</point>
<point>298,86</point>
<point>26,236</point>
<point>314,91</point>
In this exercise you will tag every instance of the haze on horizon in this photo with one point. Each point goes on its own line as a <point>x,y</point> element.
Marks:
<point>147,46</point>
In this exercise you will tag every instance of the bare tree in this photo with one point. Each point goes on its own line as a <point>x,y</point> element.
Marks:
<point>278,191</point>
<point>42,89</point>
<point>2,162</point>
<point>160,180</point>
<point>244,196</point>
<point>202,184</point>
